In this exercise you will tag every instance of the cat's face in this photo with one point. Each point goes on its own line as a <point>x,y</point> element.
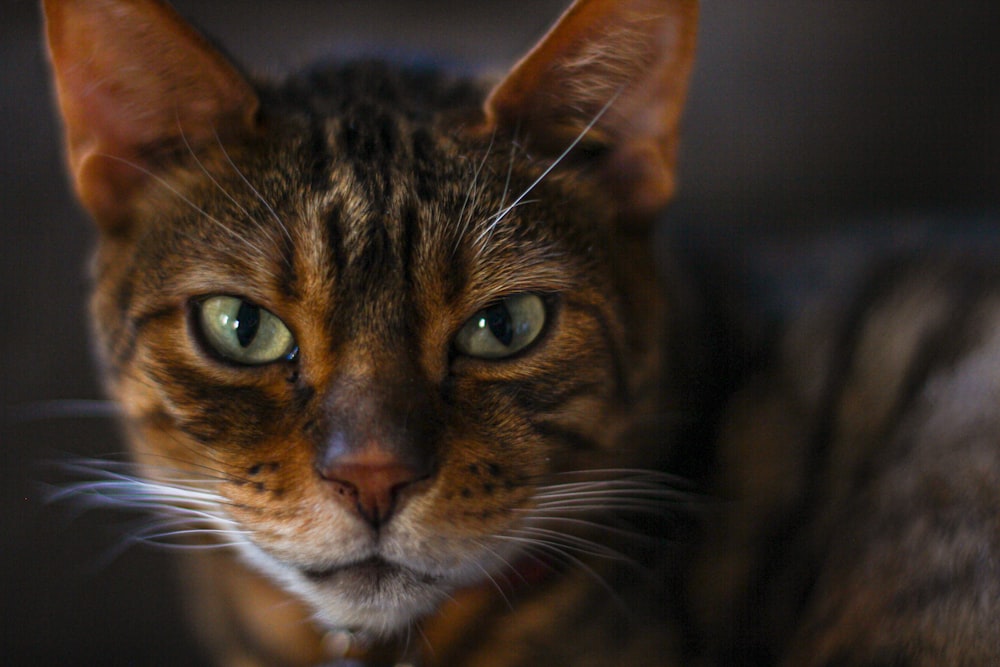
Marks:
<point>365,336</point>
<point>419,326</point>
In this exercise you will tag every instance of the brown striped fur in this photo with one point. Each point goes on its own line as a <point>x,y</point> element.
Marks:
<point>861,476</point>
<point>381,494</point>
<point>375,211</point>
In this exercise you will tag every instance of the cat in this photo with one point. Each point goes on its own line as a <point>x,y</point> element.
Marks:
<point>388,343</point>
<point>859,469</point>
<point>400,372</point>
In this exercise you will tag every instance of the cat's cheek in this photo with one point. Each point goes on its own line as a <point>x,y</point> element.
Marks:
<point>457,544</point>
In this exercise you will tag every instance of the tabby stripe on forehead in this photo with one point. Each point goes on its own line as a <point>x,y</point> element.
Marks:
<point>369,141</point>
<point>335,240</point>
<point>289,276</point>
<point>424,174</point>
<point>320,165</point>
<point>409,240</point>
<point>456,273</point>
<point>370,260</point>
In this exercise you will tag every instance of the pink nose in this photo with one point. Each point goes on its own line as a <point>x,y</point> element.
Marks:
<point>371,482</point>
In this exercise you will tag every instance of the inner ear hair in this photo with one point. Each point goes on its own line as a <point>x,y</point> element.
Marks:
<point>136,83</point>
<point>617,71</point>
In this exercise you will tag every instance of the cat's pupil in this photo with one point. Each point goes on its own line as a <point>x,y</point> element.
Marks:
<point>499,322</point>
<point>247,323</point>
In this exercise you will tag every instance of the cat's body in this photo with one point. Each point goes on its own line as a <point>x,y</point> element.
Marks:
<point>857,466</point>
<point>394,358</point>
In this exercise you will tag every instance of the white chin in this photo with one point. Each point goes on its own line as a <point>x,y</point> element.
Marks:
<point>373,598</point>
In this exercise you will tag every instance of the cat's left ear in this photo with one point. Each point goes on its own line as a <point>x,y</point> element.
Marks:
<point>136,86</point>
<point>616,71</point>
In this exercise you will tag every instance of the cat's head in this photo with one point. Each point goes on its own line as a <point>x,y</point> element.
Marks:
<point>378,330</point>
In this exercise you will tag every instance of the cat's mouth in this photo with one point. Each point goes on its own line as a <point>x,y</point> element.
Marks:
<point>372,595</point>
<point>371,570</point>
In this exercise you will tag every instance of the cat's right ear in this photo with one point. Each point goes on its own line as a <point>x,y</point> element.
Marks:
<point>612,74</point>
<point>136,84</point>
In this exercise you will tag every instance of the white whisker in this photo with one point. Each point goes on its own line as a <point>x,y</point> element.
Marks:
<point>561,553</point>
<point>167,186</point>
<point>484,237</point>
<point>215,182</point>
<point>592,507</point>
<point>186,532</point>
<point>606,489</point>
<point>505,210</point>
<point>470,197</point>
<point>569,541</point>
<point>254,190</point>
<point>182,505</point>
<point>496,585</point>
<point>629,535</point>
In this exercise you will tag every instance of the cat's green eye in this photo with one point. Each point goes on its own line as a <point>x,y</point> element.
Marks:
<point>243,332</point>
<point>503,329</point>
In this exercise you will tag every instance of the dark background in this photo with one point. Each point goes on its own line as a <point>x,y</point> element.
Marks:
<point>804,113</point>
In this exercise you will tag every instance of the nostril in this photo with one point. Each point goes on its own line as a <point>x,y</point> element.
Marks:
<point>343,488</point>
<point>371,486</point>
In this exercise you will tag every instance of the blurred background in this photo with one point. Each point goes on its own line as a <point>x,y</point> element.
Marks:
<point>803,113</point>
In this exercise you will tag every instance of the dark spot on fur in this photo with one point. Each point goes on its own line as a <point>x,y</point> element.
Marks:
<point>466,492</point>
<point>258,468</point>
<point>303,394</point>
